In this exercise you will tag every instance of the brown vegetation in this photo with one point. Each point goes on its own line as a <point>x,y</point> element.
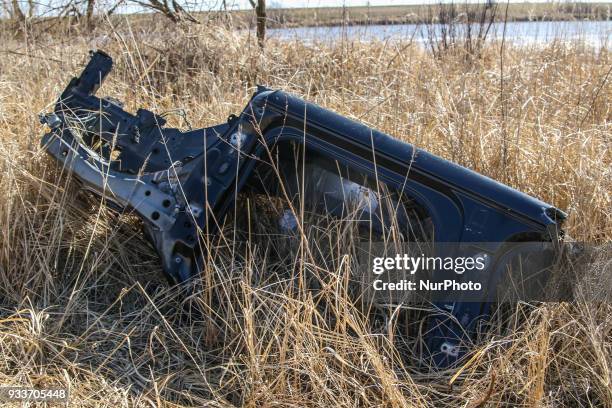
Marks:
<point>82,301</point>
<point>422,14</point>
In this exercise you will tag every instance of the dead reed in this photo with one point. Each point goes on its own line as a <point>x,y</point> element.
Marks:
<point>82,301</point>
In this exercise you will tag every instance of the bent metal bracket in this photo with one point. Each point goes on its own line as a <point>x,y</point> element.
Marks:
<point>181,184</point>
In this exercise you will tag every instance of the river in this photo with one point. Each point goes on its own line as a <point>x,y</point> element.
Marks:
<point>595,33</point>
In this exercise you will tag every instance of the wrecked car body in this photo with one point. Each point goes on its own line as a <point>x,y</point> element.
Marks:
<point>181,184</point>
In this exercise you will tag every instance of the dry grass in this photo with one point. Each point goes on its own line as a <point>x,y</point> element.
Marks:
<point>419,14</point>
<point>82,300</point>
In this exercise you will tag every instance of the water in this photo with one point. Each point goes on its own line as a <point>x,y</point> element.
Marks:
<point>595,33</point>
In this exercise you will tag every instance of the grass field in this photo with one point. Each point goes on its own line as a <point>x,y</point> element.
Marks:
<point>82,300</point>
<point>419,14</point>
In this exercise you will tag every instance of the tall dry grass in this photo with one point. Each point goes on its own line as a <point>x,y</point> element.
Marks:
<point>83,303</point>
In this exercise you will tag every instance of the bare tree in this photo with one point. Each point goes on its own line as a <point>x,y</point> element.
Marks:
<point>450,27</point>
<point>260,12</point>
<point>15,11</point>
<point>19,10</point>
<point>31,8</point>
<point>90,11</point>
<point>173,10</point>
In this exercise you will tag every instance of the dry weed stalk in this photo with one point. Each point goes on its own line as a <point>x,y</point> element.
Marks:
<point>83,303</point>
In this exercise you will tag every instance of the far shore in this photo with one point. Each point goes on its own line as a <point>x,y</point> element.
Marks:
<point>426,14</point>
